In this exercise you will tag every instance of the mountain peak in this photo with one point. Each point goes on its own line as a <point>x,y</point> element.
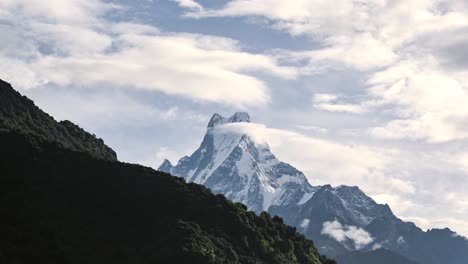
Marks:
<point>166,166</point>
<point>237,117</point>
<point>233,161</point>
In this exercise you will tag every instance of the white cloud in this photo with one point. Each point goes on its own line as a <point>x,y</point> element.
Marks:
<point>100,108</point>
<point>430,102</point>
<point>53,11</point>
<point>325,161</point>
<point>190,4</point>
<point>325,98</point>
<point>320,130</point>
<point>86,49</point>
<point>330,102</point>
<point>376,246</point>
<point>343,233</point>
<point>347,108</point>
<point>346,28</point>
<point>413,50</point>
<point>183,66</point>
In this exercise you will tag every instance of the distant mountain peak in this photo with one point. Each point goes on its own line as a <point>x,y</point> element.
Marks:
<point>166,165</point>
<point>237,117</point>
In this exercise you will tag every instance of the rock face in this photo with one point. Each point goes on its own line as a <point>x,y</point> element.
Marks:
<point>232,163</point>
<point>344,205</point>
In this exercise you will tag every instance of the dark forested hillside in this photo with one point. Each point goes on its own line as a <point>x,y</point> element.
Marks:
<point>59,205</point>
<point>18,113</point>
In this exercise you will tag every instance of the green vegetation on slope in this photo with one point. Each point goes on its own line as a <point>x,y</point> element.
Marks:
<point>18,113</point>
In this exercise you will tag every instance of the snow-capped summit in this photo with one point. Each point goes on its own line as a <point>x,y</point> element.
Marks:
<point>243,170</point>
<point>238,117</point>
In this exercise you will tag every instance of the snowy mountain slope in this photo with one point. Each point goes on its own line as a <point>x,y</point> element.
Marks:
<point>339,220</point>
<point>243,170</point>
<point>345,205</point>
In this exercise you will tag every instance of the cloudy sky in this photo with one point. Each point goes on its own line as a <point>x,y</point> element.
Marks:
<point>372,93</point>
